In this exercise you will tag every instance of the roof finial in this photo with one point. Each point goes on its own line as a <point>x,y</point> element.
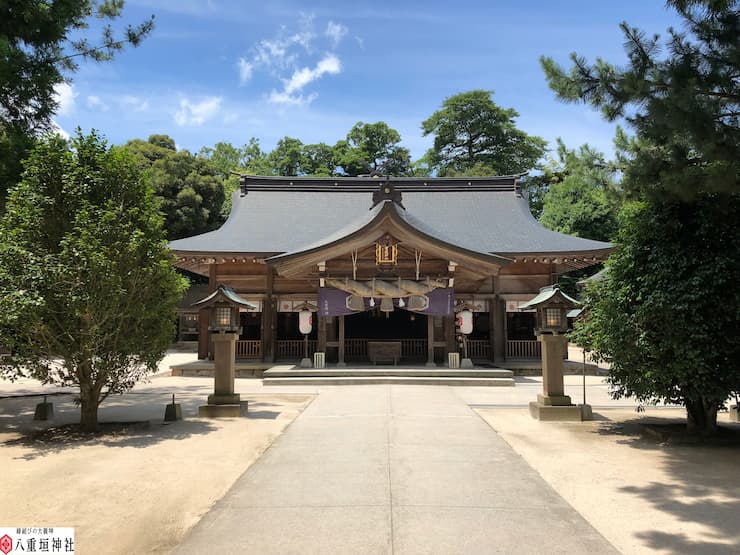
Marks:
<point>387,192</point>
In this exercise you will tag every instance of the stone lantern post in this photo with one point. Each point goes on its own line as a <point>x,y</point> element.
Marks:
<point>224,305</point>
<point>552,307</point>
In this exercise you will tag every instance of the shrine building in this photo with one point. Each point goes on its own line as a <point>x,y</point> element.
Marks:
<point>387,260</point>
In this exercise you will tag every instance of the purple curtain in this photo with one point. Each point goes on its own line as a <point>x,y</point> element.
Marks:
<point>333,302</point>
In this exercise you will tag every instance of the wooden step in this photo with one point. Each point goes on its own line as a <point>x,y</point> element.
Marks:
<point>385,379</point>
<point>388,371</point>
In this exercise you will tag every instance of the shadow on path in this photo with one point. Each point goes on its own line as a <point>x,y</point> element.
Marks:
<point>111,434</point>
<point>705,486</point>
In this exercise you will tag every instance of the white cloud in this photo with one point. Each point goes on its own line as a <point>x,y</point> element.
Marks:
<point>64,95</point>
<point>95,103</point>
<point>290,99</point>
<point>336,32</point>
<point>56,128</point>
<point>197,113</point>
<point>274,53</point>
<point>279,56</point>
<point>329,64</point>
<point>245,70</point>
<point>135,103</point>
<point>279,52</point>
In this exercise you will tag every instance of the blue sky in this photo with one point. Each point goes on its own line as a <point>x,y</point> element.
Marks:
<point>223,70</point>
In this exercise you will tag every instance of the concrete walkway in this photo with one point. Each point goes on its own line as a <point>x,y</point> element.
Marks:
<point>391,469</point>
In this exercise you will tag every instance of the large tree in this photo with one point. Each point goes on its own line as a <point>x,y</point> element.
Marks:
<point>667,316</point>
<point>583,197</point>
<point>373,147</point>
<point>190,187</point>
<point>287,157</point>
<point>681,98</point>
<point>667,313</point>
<point>87,287</point>
<point>319,160</point>
<point>471,131</point>
<point>41,42</point>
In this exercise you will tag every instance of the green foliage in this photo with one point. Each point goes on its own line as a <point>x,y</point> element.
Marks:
<point>667,314</point>
<point>373,147</point>
<point>319,160</point>
<point>682,98</point>
<point>287,157</point>
<point>162,141</point>
<point>583,197</point>
<point>577,208</point>
<point>37,54</point>
<point>190,187</point>
<point>470,131</point>
<point>87,287</point>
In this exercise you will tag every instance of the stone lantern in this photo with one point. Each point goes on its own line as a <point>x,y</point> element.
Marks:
<point>552,306</point>
<point>224,305</point>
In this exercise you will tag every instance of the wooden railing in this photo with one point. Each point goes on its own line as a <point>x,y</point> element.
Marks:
<point>411,349</point>
<point>355,349</point>
<point>479,348</point>
<point>249,348</point>
<point>294,348</point>
<point>414,349</point>
<point>527,348</point>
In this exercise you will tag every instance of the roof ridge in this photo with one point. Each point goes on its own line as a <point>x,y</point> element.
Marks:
<point>371,184</point>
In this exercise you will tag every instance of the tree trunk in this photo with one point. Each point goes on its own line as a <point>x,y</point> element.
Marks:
<point>88,410</point>
<point>701,416</point>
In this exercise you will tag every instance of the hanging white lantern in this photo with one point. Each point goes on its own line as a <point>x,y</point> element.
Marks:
<point>305,321</point>
<point>465,321</point>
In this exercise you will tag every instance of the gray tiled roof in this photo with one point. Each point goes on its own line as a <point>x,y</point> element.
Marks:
<point>547,293</point>
<point>493,221</point>
<point>223,291</point>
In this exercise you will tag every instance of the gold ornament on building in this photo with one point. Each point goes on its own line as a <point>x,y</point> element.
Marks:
<point>386,252</point>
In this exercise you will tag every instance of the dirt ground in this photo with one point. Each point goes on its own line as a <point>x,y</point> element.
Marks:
<point>135,491</point>
<point>643,495</point>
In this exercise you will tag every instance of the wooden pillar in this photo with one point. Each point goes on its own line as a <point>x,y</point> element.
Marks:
<point>449,329</point>
<point>269,320</point>
<point>340,346</point>
<point>492,343</point>
<point>321,334</point>
<point>498,328</point>
<point>204,316</point>
<point>205,344</point>
<point>430,340</point>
